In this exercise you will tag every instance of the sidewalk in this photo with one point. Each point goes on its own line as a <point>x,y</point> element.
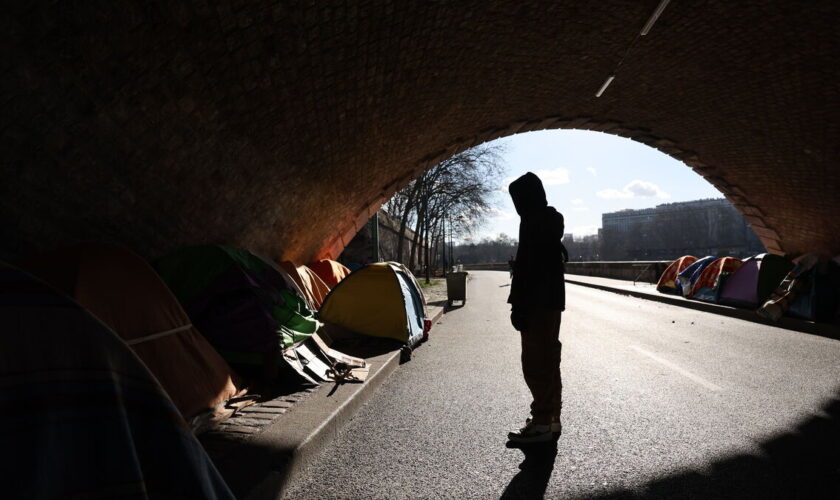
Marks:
<point>648,291</point>
<point>264,446</point>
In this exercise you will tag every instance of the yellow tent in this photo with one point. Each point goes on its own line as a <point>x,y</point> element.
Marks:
<point>380,300</point>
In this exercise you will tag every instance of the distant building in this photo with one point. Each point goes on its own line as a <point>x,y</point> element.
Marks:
<point>702,227</point>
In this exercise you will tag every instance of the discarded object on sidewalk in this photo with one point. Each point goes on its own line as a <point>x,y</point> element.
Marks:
<point>124,292</point>
<point>668,280</point>
<point>325,364</point>
<point>380,300</point>
<point>103,425</point>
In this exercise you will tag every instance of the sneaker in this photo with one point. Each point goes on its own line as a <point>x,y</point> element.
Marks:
<point>556,426</point>
<point>531,433</point>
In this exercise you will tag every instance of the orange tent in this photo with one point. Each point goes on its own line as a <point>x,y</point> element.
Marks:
<point>313,288</point>
<point>668,281</point>
<point>124,292</point>
<point>330,271</point>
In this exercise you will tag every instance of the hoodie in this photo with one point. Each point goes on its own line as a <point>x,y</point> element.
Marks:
<point>538,271</point>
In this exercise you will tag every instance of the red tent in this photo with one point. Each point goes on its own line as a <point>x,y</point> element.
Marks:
<point>124,292</point>
<point>708,285</point>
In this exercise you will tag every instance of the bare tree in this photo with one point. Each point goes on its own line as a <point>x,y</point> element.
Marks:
<point>457,192</point>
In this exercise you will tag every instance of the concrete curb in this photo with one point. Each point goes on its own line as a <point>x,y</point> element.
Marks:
<point>265,465</point>
<point>821,329</point>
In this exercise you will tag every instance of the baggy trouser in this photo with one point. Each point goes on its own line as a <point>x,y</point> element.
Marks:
<point>541,349</point>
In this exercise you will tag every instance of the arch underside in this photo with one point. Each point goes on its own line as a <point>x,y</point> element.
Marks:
<point>282,128</point>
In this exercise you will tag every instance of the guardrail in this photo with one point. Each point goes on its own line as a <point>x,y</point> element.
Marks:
<point>648,270</point>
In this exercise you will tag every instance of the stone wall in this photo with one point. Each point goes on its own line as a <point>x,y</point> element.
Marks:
<point>646,271</point>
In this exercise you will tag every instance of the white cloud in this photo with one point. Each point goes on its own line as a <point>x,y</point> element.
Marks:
<point>636,189</point>
<point>580,209</point>
<point>577,201</point>
<point>553,177</point>
<point>592,171</point>
<point>645,189</point>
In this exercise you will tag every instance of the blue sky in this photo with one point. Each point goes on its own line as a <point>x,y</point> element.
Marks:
<point>588,173</point>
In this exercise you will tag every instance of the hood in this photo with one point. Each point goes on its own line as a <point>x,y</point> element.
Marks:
<point>528,194</point>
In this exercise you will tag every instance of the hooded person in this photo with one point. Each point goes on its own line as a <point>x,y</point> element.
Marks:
<point>537,299</point>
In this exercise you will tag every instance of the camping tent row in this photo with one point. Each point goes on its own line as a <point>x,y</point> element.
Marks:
<point>806,287</point>
<point>103,340</point>
<point>209,314</point>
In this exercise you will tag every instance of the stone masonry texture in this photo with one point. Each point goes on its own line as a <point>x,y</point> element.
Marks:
<point>281,126</point>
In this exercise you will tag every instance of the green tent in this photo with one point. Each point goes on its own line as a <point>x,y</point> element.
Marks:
<point>244,305</point>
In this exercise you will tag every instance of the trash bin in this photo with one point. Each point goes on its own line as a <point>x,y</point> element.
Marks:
<point>456,287</point>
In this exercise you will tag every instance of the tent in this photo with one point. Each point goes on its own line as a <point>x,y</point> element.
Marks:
<point>707,286</point>
<point>245,306</point>
<point>330,271</point>
<point>380,300</point>
<point>668,281</point>
<point>808,291</point>
<point>312,287</point>
<point>688,276</point>
<point>753,283</point>
<point>124,292</point>
<point>85,417</point>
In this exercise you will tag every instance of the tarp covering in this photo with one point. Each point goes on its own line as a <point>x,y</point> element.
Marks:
<point>381,300</point>
<point>310,284</point>
<point>330,271</point>
<point>244,305</point>
<point>688,276</point>
<point>668,281</point>
<point>87,419</point>
<point>753,283</point>
<point>125,293</point>
<point>707,286</point>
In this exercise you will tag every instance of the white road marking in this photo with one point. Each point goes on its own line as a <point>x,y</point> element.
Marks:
<point>682,371</point>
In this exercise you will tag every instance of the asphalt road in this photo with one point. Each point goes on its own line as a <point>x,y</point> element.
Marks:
<point>659,402</point>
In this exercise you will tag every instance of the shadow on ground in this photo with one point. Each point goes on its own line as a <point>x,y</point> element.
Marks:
<point>803,463</point>
<point>534,471</point>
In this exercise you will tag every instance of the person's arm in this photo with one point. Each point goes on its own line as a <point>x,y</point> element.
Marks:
<point>559,237</point>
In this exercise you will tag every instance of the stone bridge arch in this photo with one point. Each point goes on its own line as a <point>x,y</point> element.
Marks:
<point>281,126</point>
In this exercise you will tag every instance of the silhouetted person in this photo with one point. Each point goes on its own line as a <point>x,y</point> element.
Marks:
<point>537,298</point>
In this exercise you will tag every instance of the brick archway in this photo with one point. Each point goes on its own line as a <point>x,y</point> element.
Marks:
<point>282,127</point>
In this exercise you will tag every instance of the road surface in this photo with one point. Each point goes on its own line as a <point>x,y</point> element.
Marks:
<point>659,402</point>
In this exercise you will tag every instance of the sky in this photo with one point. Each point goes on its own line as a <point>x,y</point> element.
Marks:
<point>588,173</point>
